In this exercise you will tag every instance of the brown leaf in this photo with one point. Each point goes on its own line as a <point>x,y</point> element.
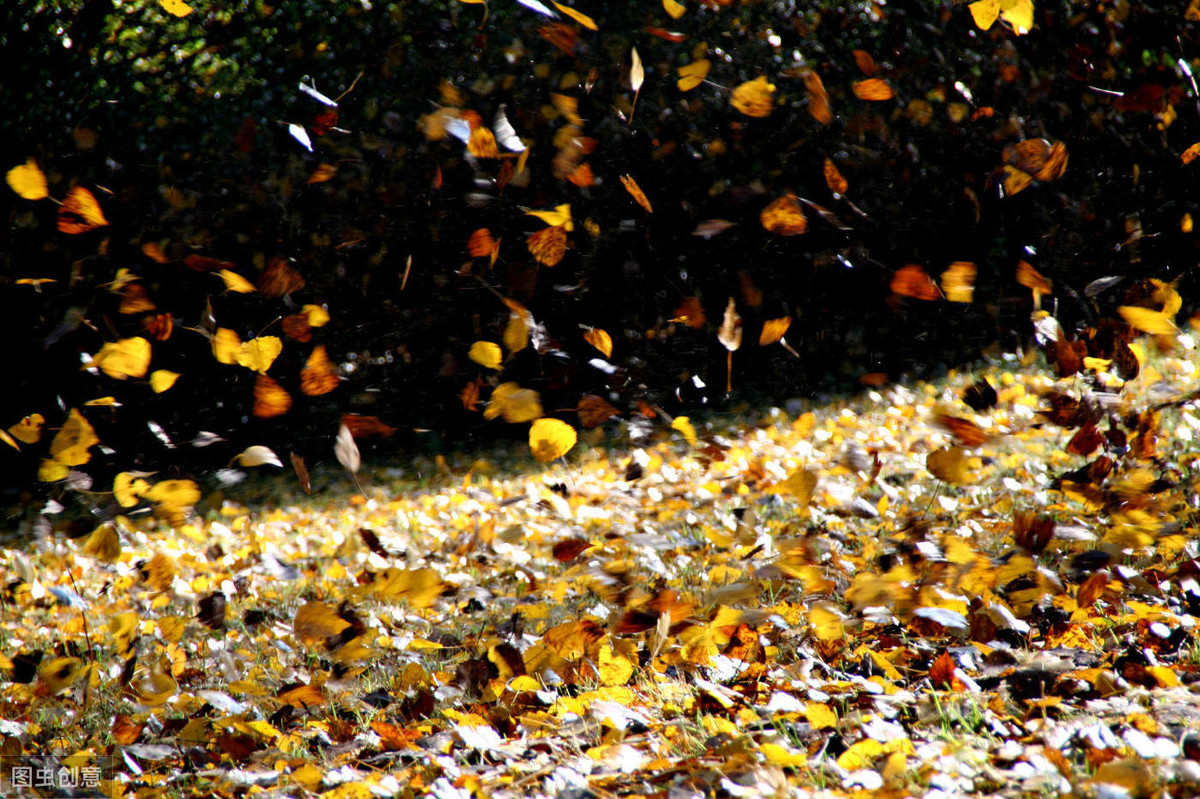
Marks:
<point>965,431</point>
<point>913,281</point>
<point>366,426</point>
<point>297,327</point>
<point>270,398</point>
<point>212,611</point>
<point>941,673</point>
<point>202,263</point>
<point>980,395</point>
<point>1032,531</point>
<point>301,473</point>
<point>567,550</point>
<point>691,313</point>
<point>594,410</point>
<point>636,192</point>
<point>279,278</point>
<point>548,245</point>
<point>80,213</point>
<point>833,178</point>
<point>481,244</point>
<point>866,64</point>
<point>1086,440</point>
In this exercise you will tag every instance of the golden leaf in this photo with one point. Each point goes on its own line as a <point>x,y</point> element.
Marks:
<point>516,332</point>
<point>135,299</point>
<point>80,213</point>
<point>317,316</point>
<point>912,281</point>
<point>28,181</point>
<point>316,621</point>
<point>693,74</point>
<point>549,245</point>
<point>550,439</point>
<point>70,445</point>
<point>258,354</point>
<point>773,330</point>
<point>799,485</point>
<point>270,398</point>
<point>949,464</point>
<point>560,216</point>
<point>754,98</point>
<point>319,375</point>
<point>174,494</point>
<point>674,9</point>
<point>582,19</point>
<point>826,621</point>
<point>29,429</point>
<point>784,216</point>
<point>514,403</point>
<point>482,143</point>
<point>600,340</point>
<point>1187,156</point>
<point>226,346</point>
<point>1014,180</point>
<point>58,674</point>
<point>873,89</point>
<point>487,354</point>
<point>985,13</point>
<point>104,543</point>
<point>1019,14</point>
<point>833,178</point>
<point>177,8</point>
<point>129,357</point>
<point>162,379</point>
<point>235,282</point>
<point>128,488</point>
<point>684,425</point>
<point>958,281</point>
<point>1147,320</point>
<point>636,192</point>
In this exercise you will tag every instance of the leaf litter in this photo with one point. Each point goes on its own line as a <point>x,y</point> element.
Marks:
<point>929,589</point>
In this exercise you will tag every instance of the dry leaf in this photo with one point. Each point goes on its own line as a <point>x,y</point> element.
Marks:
<point>346,450</point>
<point>913,281</point>
<point>754,98</point>
<point>270,398</point>
<point>958,281</point>
<point>319,375</point>
<point>594,410</point>
<point>773,330</point>
<point>873,89</point>
<point>80,213</point>
<point>784,216</point>
<point>637,73</point>
<point>550,439</point>
<point>549,245</point>
<point>635,191</point>
<point>600,340</point>
<point>818,98</point>
<point>693,74</point>
<point>730,333</point>
<point>28,181</point>
<point>833,178</point>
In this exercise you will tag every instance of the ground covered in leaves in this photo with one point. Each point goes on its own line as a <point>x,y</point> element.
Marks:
<point>923,590</point>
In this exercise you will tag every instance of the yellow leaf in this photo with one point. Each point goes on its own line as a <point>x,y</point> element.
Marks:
<point>985,13</point>
<point>226,345</point>
<point>781,756</point>
<point>516,332</point>
<point>487,354</point>
<point>958,282</point>
<point>826,622</point>
<point>51,471</point>
<point>582,19</point>
<point>549,245</point>
<point>693,74</point>
<point>773,330</point>
<point>317,316</point>
<point>754,98</point>
<point>71,443</point>
<point>29,429</point>
<point>684,425</point>
<point>637,73</point>
<point>949,465</point>
<point>152,687</point>
<point>560,216</point>
<point>799,485</point>
<point>258,354</point>
<point>104,543</point>
<point>550,439</point>
<point>59,674</point>
<point>316,621</point>
<point>1146,320</point>
<point>7,439</point>
<point>80,213</point>
<point>162,379</point>
<point>419,587</point>
<point>674,9</point>
<point>174,493</point>
<point>600,340</point>
<point>820,716</point>
<point>28,181</point>
<point>482,143</point>
<point>860,755</point>
<point>177,8</point>
<point>128,488</point>
<point>235,282</point>
<point>1019,14</point>
<point>129,357</point>
<point>614,667</point>
<point>514,403</point>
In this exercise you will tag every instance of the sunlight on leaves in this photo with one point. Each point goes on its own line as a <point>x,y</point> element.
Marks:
<point>80,213</point>
<point>550,439</point>
<point>28,181</point>
<point>129,357</point>
<point>754,98</point>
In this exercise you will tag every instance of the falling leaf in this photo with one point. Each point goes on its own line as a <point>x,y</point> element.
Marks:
<point>818,98</point>
<point>799,485</point>
<point>912,281</point>
<point>635,191</point>
<point>730,333</point>
<point>965,431</point>
<point>550,439</point>
<point>514,403</point>
<point>226,346</point>
<point>346,450</point>
<point>315,622</point>
<point>279,278</point>
<point>833,178</point>
<point>548,245</point>
<point>487,354</point>
<point>28,181</point>
<point>754,98</point>
<point>235,282</point>
<point>270,398</point>
<point>567,550</point>
<point>980,395</point>
<point>1034,280</point>
<point>594,410</point>
<point>367,426</point>
<point>516,332</point>
<point>559,217</point>
<point>784,216</point>
<point>258,455</point>
<point>482,143</point>
<point>162,379</point>
<point>985,13</point>
<point>319,375</point>
<point>773,330</point>
<point>637,74</point>
<point>1037,158</point>
<point>1147,320</point>
<point>693,74</point>
<point>1187,157</point>
<point>949,465</point>
<point>685,426</point>
<point>29,429</point>
<point>176,8</point>
<point>301,472</point>
<point>482,245</point>
<point>712,227</point>
<point>873,89</point>
<point>298,133</point>
<point>600,340</point>
<point>80,213</point>
<point>582,19</point>
<point>691,313</point>
<point>129,357</point>
<point>674,9</point>
<point>866,63</point>
<point>258,354</point>
<point>322,174</point>
<point>958,282</point>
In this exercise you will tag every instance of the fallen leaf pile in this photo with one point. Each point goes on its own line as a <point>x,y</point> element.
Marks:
<point>983,586</point>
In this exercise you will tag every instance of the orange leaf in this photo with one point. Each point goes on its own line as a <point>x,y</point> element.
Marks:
<point>636,192</point>
<point>784,216</point>
<point>582,176</point>
<point>297,327</point>
<point>279,278</point>
<point>160,326</point>
<point>481,244</point>
<point>1038,158</point>
<point>548,245</point>
<point>965,431</point>
<point>866,63</point>
<point>912,281</point>
<point>154,251</point>
<point>818,98</point>
<point>833,178</point>
<point>319,375</point>
<point>482,143</point>
<point>80,213</point>
<point>1189,155</point>
<point>600,340</point>
<point>366,426</point>
<point>690,312</point>
<point>754,98</point>
<point>941,673</point>
<point>773,330</point>
<point>874,89</point>
<point>1031,278</point>
<point>958,281</point>
<point>270,398</point>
